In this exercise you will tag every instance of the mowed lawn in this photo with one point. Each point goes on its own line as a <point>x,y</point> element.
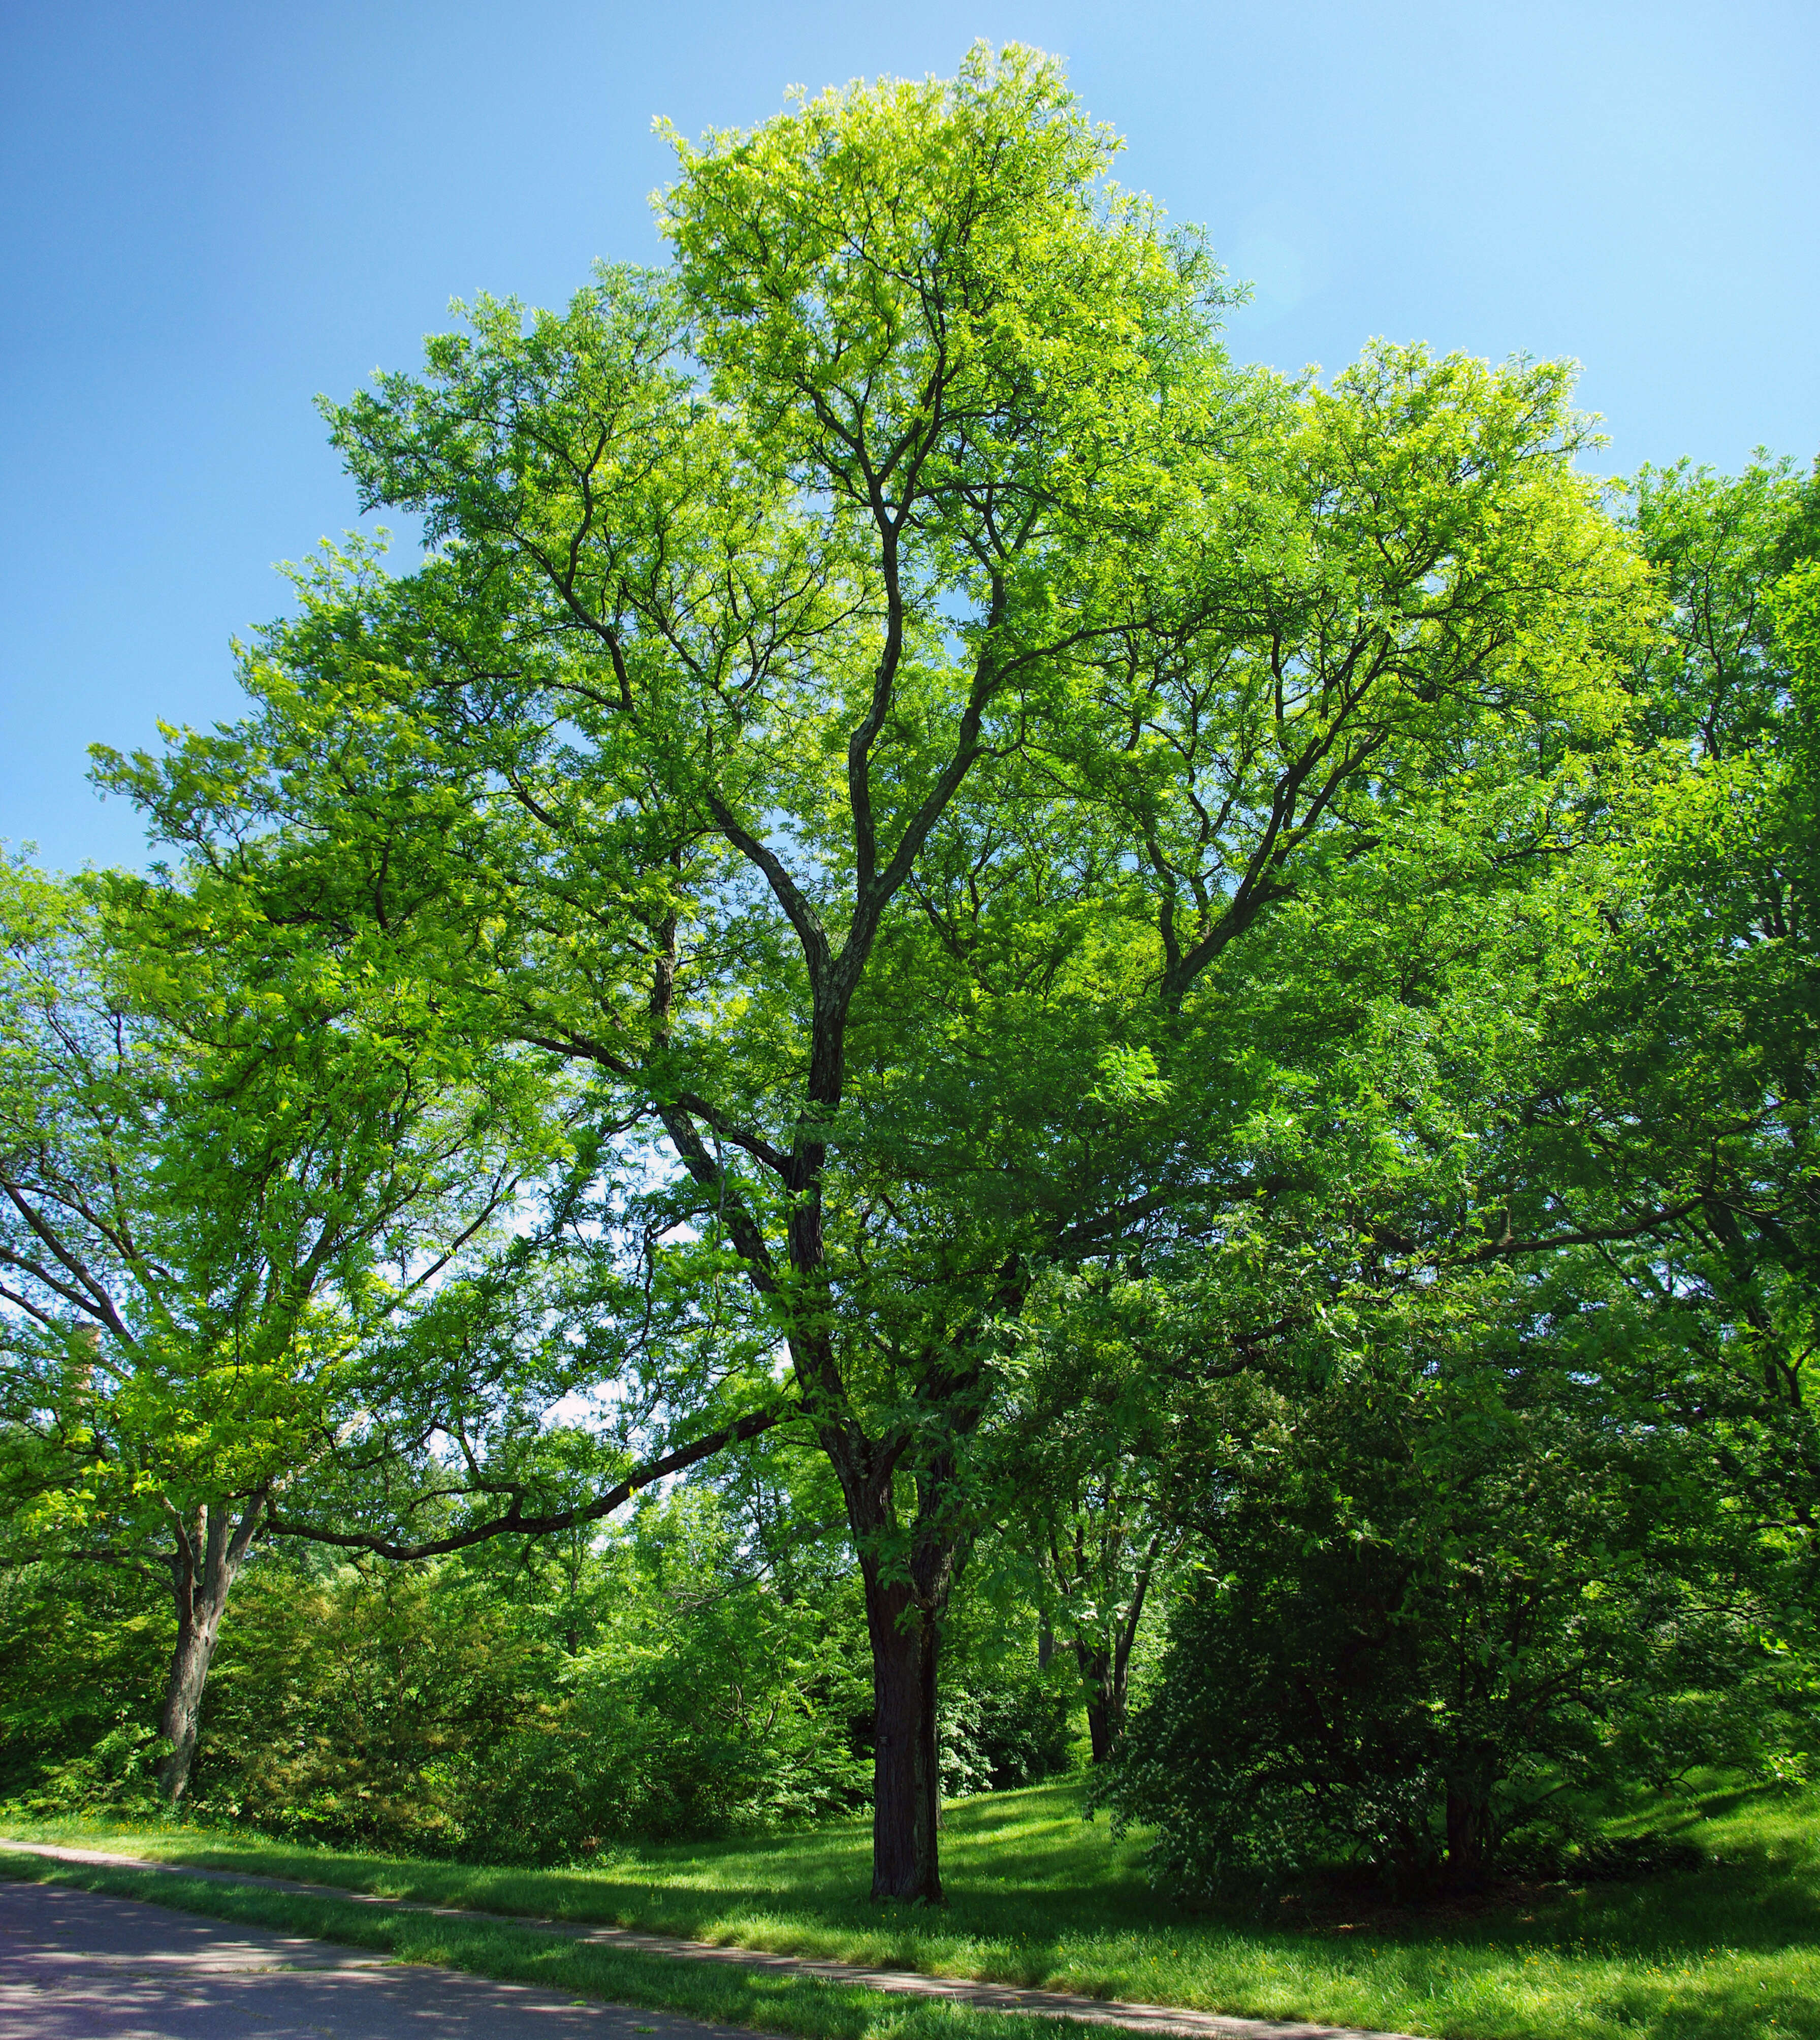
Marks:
<point>1038,1896</point>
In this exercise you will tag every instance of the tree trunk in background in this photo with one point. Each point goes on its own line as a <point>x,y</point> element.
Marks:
<point>1468,1833</point>
<point>1104,1714</point>
<point>206,1562</point>
<point>1107,1673</point>
<point>907,1772</point>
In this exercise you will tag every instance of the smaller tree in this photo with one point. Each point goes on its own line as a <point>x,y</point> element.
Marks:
<point>215,1188</point>
<point>1081,1470</point>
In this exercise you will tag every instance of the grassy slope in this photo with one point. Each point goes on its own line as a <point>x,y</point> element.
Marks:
<point>1036,1897</point>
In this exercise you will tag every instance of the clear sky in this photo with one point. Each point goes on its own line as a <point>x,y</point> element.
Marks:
<point>210,212</point>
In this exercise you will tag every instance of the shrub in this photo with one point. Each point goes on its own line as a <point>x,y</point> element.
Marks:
<point>1432,1611</point>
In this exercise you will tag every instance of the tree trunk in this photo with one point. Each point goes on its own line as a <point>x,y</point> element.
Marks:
<point>1468,1833</point>
<point>1103,1709</point>
<point>907,1775</point>
<point>1107,1673</point>
<point>908,1581</point>
<point>204,1565</point>
<point>183,1700</point>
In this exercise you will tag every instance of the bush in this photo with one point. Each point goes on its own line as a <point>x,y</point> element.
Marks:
<point>1431,1611</point>
<point>84,1652</point>
<point>489,1712</point>
<point>1000,1728</point>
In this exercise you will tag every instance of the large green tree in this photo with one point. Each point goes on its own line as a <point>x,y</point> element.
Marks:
<point>872,685</point>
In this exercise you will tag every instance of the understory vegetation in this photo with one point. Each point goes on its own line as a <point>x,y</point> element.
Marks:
<point>534,1705</point>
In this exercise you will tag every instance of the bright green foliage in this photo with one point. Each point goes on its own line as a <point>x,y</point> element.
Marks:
<point>1671,1103</point>
<point>1078,1460</point>
<point>697,1668</point>
<point>513,1705</point>
<point>878,684</point>
<point>83,1649</point>
<point>218,1182</point>
<point>1166,993</point>
<point>206,1175</point>
<point>1004,1718</point>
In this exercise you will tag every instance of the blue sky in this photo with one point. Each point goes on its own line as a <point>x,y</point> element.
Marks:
<point>212,212</point>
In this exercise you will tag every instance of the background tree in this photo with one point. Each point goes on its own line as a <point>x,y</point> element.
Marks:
<point>1707,990</point>
<point>1444,1597</point>
<point>1662,1100</point>
<point>214,1188</point>
<point>1515,1501</point>
<point>1081,1463</point>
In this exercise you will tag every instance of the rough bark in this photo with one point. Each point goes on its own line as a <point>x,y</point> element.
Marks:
<point>908,1569</point>
<point>907,1777</point>
<point>209,1550</point>
<point>1104,1708</point>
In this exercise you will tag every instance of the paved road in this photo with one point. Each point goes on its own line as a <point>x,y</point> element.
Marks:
<point>75,1965</point>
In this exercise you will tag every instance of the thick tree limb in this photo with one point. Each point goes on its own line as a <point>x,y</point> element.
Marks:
<point>516,1524</point>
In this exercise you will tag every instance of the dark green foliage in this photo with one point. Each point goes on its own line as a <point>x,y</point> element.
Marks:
<point>1437,1609</point>
<point>1001,1727</point>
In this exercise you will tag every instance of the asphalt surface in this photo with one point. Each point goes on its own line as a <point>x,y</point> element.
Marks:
<point>76,1966</point>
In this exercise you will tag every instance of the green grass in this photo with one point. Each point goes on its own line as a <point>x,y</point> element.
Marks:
<point>1039,1898</point>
